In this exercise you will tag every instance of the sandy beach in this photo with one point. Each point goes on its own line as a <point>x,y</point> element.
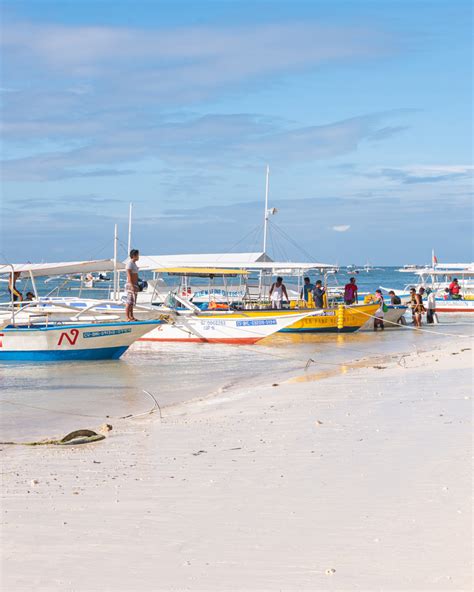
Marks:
<point>353,478</point>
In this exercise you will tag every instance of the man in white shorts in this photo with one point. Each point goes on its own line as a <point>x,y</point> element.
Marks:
<point>132,283</point>
<point>277,291</point>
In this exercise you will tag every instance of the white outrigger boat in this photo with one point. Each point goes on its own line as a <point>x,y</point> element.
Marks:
<point>215,321</point>
<point>37,331</point>
<point>231,327</point>
<point>69,341</point>
<point>437,278</point>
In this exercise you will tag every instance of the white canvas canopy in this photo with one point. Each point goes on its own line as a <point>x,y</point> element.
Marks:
<point>60,268</point>
<point>249,261</point>
<point>151,262</point>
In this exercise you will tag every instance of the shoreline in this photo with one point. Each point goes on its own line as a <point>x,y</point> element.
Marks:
<point>49,399</point>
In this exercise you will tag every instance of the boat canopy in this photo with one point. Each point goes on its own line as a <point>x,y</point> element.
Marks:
<point>151,262</point>
<point>440,268</point>
<point>460,269</point>
<point>226,261</point>
<point>201,271</point>
<point>60,268</point>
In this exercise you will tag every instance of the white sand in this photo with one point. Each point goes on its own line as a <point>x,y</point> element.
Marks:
<point>366,472</point>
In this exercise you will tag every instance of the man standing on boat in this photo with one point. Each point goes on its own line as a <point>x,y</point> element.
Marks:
<point>132,284</point>
<point>277,291</point>
<point>318,294</point>
<point>350,292</point>
<point>307,289</point>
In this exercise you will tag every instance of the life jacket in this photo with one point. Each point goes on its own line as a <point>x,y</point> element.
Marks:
<point>218,306</point>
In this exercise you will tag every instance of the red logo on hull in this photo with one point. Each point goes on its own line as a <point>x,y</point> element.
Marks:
<point>70,336</point>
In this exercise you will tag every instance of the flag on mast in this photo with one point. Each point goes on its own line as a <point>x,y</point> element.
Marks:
<point>434,259</point>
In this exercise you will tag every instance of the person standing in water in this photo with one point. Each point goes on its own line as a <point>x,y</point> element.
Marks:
<point>277,291</point>
<point>431,316</point>
<point>132,284</point>
<point>412,304</point>
<point>419,309</point>
<point>379,313</point>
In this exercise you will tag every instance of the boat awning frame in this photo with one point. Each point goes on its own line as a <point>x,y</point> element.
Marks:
<point>60,268</point>
<point>201,271</point>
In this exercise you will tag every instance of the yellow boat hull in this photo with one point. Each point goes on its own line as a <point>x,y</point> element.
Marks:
<point>346,319</point>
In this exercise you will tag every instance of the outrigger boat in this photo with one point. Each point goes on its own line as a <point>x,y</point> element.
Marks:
<point>40,331</point>
<point>217,322</point>
<point>179,321</point>
<point>68,341</point>
<point>437,278</point>
<point>231,327</point>
<point>252,306</point>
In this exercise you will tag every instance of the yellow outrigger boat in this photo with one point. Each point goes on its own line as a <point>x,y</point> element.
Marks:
<point>339,318</point>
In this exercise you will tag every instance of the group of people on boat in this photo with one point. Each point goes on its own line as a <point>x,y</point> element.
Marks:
<point>313,294</point>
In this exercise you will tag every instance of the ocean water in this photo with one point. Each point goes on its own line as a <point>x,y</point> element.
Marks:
<point>41,400</point>
<point>388,277</point>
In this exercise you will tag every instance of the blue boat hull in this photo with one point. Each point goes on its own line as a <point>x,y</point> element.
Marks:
<point>104,353</point>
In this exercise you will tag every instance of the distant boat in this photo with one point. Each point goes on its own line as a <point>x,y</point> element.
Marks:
<point>438,278</point>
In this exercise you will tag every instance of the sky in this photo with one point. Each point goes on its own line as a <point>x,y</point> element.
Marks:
<point>362,110</point>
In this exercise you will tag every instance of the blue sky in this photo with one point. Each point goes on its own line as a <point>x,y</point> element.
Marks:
<point>362,109</point>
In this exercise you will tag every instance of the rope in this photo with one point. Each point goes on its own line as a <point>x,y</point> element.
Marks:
<point>251,231</point>
<point>293,242</point>
<point>409,326</point>
<point>131,416</point>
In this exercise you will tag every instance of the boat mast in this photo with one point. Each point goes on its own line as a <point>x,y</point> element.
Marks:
<point>115,263</point>
<point>265,222</point>
<point>129,228</point>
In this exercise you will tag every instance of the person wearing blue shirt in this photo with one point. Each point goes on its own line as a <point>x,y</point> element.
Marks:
<point>307,288</point>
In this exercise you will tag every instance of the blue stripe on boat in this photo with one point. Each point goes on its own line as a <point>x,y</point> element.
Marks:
<point>62,326</point>
<point>101,353</point>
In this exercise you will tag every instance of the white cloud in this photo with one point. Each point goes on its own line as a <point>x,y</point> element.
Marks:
<point>341,228</point>
<point>95,97</point>
<point>172,66</point>
<point>210,141</point>
<point>247,49</point>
